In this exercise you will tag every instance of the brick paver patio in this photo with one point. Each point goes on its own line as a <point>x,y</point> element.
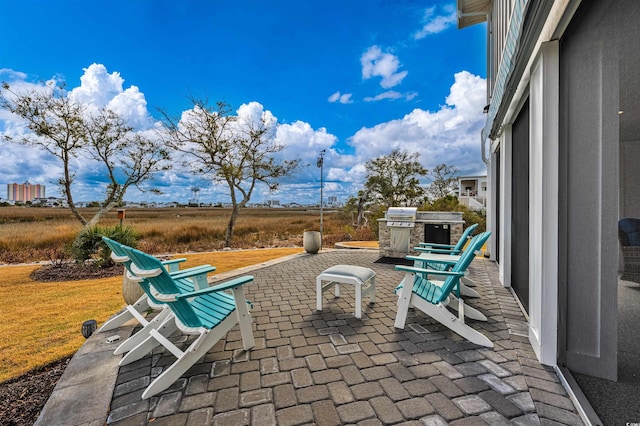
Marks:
<point>329,368</point>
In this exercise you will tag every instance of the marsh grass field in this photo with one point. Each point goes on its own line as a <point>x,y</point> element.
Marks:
<point>31,234</point>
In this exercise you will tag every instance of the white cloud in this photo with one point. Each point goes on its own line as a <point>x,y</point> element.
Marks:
<point>341,98</point>
<point>100,89</point>
<point>391,94</point>
<point>302,142</point>
<point>433,23</point>
<point>449,135</point>
<point>97,86</point>
<point>9,74</point>
<point>375,63</point>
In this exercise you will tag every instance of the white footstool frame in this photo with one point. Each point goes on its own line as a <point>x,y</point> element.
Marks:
<point>363,279</point>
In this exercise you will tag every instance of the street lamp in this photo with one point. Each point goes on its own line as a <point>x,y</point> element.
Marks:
<point>320,163</point>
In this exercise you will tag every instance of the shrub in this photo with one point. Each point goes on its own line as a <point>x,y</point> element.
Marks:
<point>89,245</point>
<point>450,203</point>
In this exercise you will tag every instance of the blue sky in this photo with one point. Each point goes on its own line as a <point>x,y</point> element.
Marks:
<point>357,78</point>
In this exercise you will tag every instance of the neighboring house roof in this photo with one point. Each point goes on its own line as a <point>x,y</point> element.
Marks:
<point>471,12</point>
<point>473,177</point>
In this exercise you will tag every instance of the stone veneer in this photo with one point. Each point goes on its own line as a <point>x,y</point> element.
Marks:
<point>453,219</point>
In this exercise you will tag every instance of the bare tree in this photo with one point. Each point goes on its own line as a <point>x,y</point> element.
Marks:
<point>443,181</point>
<point>231,150</point>
<point>130,158</point>
<point>67,130</point>
<point>393,179</point>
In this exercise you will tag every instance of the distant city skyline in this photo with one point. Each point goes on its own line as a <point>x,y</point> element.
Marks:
<point>25,191</point>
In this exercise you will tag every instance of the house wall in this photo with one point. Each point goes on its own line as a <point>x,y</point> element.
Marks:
<point>540,84</point>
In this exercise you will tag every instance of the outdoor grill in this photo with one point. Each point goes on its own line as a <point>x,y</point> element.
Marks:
<point>403,228</point>
<point>401,217</point>
<point>400,221</point>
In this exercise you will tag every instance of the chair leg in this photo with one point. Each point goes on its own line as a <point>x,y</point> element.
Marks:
<point>404,301</point>
<point>440,313</point>
<point>469,311</point>
<point>142,334</point>
<point>468,292</point>
<point>372,290</point>
<point>358,289</point>
<point>319,294</point>
<point>189,357</point>
<point>467,281</point>
<point>141,305</point>
<point>167,328</point>
<point>243,318</point>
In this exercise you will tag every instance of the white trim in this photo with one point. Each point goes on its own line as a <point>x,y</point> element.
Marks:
<point>506,168</point>
<point>544,98</point>
<point>581,402</point>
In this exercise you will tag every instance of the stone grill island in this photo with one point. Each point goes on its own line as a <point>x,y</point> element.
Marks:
<point>403,228</point>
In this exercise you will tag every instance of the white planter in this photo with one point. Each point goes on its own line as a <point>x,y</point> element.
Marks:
<point>131,290</point>
<point>311,241</point>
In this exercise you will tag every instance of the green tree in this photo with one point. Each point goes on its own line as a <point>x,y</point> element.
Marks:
<point>236,151</point>
<point>394,180</point>
<point>66,129</point>
<point>443,181</point>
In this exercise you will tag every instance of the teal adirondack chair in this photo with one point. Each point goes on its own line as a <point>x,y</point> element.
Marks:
<point>420,291</point>
<point>208,313</point>
<point>447,262</point>
<point>443,260</point>
<point>192,279</point>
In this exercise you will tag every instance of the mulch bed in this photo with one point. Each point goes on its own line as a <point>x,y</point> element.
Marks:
<point>22,398</point>
<point>73,272</point>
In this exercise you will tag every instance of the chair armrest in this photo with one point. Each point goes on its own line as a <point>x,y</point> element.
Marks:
<point>432,250</point>
<point>427,260</point>
<point>190,272</point>
<point>438,246</point>
<point>220,287</point>
<point>414,270</point>
<point>172,264</point>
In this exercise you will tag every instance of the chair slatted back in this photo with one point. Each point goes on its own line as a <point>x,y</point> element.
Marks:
<point>465,236</point>
<point>463,263</point>
<point>165,284</point>
<point>118,249</point>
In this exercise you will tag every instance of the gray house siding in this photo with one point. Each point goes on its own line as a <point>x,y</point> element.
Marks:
<point>589,145</point>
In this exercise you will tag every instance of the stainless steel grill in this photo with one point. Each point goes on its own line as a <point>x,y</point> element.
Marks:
<point>400,221</point>
<point>401,217</point>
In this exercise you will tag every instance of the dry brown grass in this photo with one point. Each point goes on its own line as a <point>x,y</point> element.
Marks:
<point>35,234</point>
<point>41,322</point>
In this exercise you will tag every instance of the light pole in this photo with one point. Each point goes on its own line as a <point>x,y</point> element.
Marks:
<point>320,163</point>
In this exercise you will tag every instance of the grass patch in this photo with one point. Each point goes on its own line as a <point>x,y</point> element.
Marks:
<point>41,322</point>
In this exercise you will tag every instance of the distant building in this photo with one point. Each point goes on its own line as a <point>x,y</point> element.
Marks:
<point>24,192</point>
<point>472,191</point>
<point>51,202</point>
